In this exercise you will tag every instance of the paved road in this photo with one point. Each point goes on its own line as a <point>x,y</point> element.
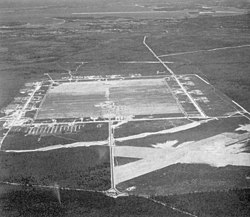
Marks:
<point>175,77</point>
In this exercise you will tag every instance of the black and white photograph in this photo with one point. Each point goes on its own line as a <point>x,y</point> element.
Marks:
<point>124,108</point>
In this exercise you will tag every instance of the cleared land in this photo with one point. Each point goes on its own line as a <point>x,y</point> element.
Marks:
<point>104,98</point>
<point>30,138</point>
<point>217,151</point>
<point>213,145</point>
<point>28,51</point>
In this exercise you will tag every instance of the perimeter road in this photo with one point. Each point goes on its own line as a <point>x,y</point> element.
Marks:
<point>143,119</point>
<point>3,138</point>
<point>43,100</point>
<point>175,77</point>
<point>19,114</point>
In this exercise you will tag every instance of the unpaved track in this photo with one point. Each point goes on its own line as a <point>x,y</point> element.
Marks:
<point>87,144</point>
<point>209,50</point>
<point>54,147</point>
<point>172,130</point>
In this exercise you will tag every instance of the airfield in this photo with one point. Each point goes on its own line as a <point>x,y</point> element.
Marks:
<point>101,99</point>
<point>131,130</point>
<point>141,130</point>
<point>126,134</point>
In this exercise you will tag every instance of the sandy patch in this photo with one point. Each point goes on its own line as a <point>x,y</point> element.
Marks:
<point>172,130</point>
<point>245,127</point>
<point>218,151</point>
<point>166,144</point>
<point>54,147</point>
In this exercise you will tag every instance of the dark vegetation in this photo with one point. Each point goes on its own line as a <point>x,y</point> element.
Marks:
<point>186,178</point>
<point>41,203</point>
<point>213,204</point>
<point>197,4</point>
<point>23,201</point>
<point>86,168</point>
<point>218,67</point>
<point>124,160</point>
<point>31,52</point>
<point>30,114</point>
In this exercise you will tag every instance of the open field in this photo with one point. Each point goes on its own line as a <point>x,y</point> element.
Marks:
<point>212,101</point>
<point>99,99</point>
<point>157,144</point>
<point>45,136</point>
<point>111,67</point>
<point>185,135</point>
<point>217,143</point>
<point>217,151</point>
<point>65,45</point>
<point>137,127</point>
<point>219,66</point>
<point>181,134</point>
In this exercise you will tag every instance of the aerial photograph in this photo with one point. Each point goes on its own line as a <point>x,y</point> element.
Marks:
<point>125,108</point>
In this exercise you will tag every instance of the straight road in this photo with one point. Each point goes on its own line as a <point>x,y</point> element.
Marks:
<point>143,62</point>
<point>120,12</point>
<point>20,113</point>
<point>209,50</point>
<point>175,77</point>
<point>111,144</point>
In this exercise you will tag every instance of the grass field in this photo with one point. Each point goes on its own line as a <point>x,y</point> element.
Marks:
<point>96,99</point>
<point>213,102</point>
<point>125,66</point>
<point>137,127</point>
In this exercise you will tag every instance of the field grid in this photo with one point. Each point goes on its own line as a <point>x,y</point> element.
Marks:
<point>110,98</point>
